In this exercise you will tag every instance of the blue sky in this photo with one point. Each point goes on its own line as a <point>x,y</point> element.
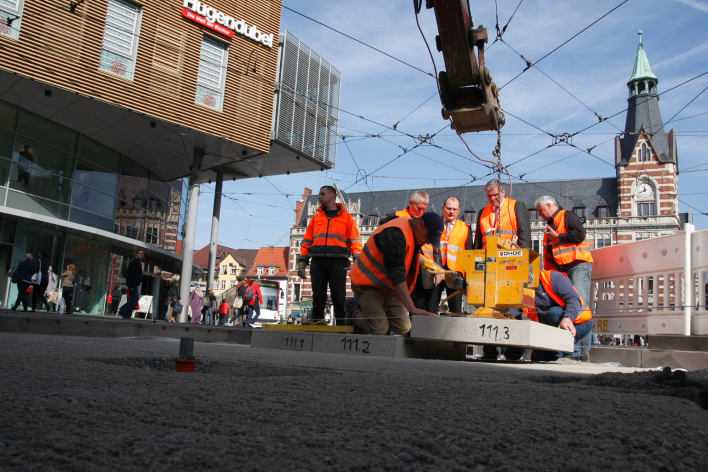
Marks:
<point>593,67</point>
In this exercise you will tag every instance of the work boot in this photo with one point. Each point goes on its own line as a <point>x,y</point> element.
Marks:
<point>350,306</point>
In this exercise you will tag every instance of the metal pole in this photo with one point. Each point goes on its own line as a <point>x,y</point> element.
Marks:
<point>687,280</point>
<point>215,229</point>
<point>190,233</point>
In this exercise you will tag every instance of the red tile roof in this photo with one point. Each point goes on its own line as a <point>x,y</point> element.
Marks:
<point>242,256</point>
<point>271,257</point>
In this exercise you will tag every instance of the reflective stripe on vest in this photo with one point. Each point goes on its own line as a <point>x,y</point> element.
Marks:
<point>369,269</point>
<point>583,315</point>
<point>566,253</point>
<point>507,215</point>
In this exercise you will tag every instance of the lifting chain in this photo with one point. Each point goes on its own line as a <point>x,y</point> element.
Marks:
<point>498,169</point>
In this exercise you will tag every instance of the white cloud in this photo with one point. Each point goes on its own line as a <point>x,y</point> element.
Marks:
<point>676,59</point>
<point>695,4</point>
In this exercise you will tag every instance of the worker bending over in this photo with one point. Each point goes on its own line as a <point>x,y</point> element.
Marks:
<point>512,219</point>
<point>566,249</point>
<point>330,238</point>
<point>559,304</point>
<point>456,237</point>
<point>384,275</point>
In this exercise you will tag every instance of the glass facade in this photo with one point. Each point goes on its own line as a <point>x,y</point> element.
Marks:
<point>51,170</point>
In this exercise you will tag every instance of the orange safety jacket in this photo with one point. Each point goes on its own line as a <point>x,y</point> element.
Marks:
<point>405,213</point>
<point>331,237</point>
<point>559,254</point>
<point>583,315</point>
<point>507,215</point>
<point>369,269</point>
<point>450,245</point>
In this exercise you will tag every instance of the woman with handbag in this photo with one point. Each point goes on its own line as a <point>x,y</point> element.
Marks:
<point>25,271</point>
<point>67,286</point>
<point>173,298</point>
<point>238,301</point>
<point>52,293</point>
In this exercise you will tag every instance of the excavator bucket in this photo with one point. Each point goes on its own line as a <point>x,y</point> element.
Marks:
<point>470,97</point>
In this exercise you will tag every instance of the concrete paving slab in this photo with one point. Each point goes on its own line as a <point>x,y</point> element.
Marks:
<point>284,340</point>
<point>497,331</point>
<point>679,343</point>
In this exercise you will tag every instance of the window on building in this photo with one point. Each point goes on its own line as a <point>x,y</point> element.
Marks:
<point>151,235</point>
<point>469,217</point>
<point>232,284</point>
<point>212,74</point>
<point>603,212</point>
<point>644,153</point>
<point>296,292</point>
<point>372,220</point>
<point>223,285</point>
<point>271,270</point>
<point>11,12</point>
<point>536,245</point>
<point>533,215</point>
<point>260,271</point>
<point>580,211</point>
<point>646,209</point>
<point>224,269</point>
<point>233,269</point>
<point>603,242</point>
<point>120,38</point>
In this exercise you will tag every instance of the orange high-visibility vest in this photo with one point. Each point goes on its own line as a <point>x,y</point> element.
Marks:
<point>507,215</point>
<point>584,315</point>
<point>369,269</point>
<point>404,213</point>
<point>450,245</point>
<point>331,237</point>
<point>565,253</point>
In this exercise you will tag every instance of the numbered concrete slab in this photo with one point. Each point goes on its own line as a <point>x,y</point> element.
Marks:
<point>500,332</point>
<point>359,344</point>
<point>284,340</point>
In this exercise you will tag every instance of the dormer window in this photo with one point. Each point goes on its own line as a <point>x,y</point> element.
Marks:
<point>580,211</point>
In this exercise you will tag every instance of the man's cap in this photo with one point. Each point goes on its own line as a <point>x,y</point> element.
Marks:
<point>435,225</point>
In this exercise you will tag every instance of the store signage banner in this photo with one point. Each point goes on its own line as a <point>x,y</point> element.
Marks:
<point>223,24</point>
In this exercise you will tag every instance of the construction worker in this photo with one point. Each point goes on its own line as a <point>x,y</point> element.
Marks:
<point>331,237</point>
<point>566,249</point>
<point>416,205</point>
<point>559,304</point>
<point>457,236</point>
<point>384,275</point>
<point>512,219</point>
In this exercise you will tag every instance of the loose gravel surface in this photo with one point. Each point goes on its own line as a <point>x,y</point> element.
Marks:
<point>75,404</point>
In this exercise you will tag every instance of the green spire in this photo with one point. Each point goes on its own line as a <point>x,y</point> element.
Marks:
<point>642,69</point>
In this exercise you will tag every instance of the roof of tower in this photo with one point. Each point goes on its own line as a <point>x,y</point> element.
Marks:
<point>642,69</point>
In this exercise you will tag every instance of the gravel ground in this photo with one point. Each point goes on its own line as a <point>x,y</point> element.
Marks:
<point>76,404</point>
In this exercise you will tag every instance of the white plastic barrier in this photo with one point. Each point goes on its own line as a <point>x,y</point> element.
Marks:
<point>639,286</point>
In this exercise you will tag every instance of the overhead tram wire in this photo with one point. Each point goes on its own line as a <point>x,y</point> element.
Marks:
<point>684,107</point>
<point>563,44</point>
<point>359,41</point>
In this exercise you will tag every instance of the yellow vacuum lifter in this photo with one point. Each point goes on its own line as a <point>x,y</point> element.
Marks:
<point>498,278</point>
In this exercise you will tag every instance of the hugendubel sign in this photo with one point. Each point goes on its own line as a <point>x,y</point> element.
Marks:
<point>215,20</point>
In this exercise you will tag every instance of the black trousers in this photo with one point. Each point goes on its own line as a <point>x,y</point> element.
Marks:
<point>332,271</point>
<point>38,295</point>
<point>22,287</point>
<point>454,304</point>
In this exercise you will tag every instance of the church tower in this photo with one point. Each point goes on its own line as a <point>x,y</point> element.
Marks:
<point>646,161</point>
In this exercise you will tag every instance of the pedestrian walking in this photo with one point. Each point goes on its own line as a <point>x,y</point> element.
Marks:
<point>133,279</point>
<point>172,297</point>
<point>52,293</point>
<point>25,270</point>
<point>196,303</point>
<point>238,302</point>
<point>40,290</point>
<point>209,302</point>
<point>254,299</point>
<point>223,312</point>
<point>67,287</point>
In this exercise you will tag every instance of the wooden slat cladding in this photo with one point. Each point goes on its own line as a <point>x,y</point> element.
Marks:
<point>63,49</point>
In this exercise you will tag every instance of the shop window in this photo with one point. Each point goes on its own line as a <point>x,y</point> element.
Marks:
<point>469,217</point>
<point>94,189</point>
<point>580,211</point>
<point>603,242</point>
<point>260,271</point>
<point>646,209</point>
<point>212,74</point>
<point>11,12</point>
<point>120,38</point>
<point>533,215</point>
<point>603,212</point>
<point>271,270</point>
<point>90,219</point>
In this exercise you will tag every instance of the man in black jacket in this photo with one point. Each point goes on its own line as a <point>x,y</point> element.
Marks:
<point>133,279</point>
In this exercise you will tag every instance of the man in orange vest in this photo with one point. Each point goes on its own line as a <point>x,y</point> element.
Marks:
<point>416,205</point>
<point>330,238</point>
<point>384,275</point>
<point>559,304</point>
<point>511,218</point>
<point>514,217</point>
<point>456,237</point>
<point>566,249</point>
